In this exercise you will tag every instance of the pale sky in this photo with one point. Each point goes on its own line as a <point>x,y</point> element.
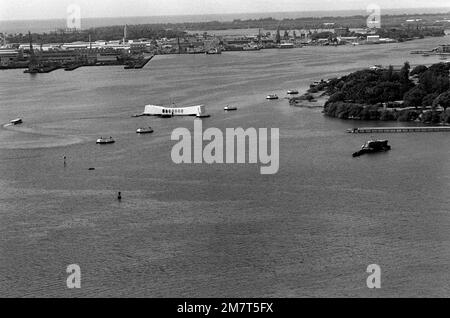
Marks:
<point>56,9</point>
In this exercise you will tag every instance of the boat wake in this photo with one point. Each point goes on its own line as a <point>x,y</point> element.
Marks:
<point>22,137</point>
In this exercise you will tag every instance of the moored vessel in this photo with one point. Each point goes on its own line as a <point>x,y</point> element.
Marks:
<point>230,108</point>
<point>17,121</point>
<point>213,51</point>
<point>147,130</point>
<point>373,146</point>
<point>272,97</point>
<point>105,141</point>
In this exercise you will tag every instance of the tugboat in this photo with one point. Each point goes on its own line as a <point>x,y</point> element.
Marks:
<point>105,141</point>
<point>230,108</point>
<point>272,97</point>
<point>147,130</point>
<point>373,146</point>
<point>17,121</point>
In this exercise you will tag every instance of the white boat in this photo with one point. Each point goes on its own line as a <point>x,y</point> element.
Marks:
<point>213,51</point>
<point>292,92</point>
<point>376,67</point>
<point>272,97</point>
<point>17,121</point>
<point>230,108</point>
<point>105,141</point>
<point>286,46</point>
<point>251,47</point>
<point>147,130</point>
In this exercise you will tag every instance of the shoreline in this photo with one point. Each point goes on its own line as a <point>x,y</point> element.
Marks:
<point>381,93</point>
<point>38,139</point>
<point>72,67</point>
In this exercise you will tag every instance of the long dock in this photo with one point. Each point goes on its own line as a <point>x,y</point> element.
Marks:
<point>370,130</point>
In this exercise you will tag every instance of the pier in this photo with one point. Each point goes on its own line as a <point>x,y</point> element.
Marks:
<point>370,130</point>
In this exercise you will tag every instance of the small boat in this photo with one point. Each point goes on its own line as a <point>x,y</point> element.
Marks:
<point>105,141</point>
<point>272,97</point>
<point>292,92</point>
<point>17,121</point>
<point>251,47</point>
<point>376,67</point>
<point>147,130</point>
<point>230,108</point>
<point>213,51</point>
<point>203,115</point>
<point>373,146</point>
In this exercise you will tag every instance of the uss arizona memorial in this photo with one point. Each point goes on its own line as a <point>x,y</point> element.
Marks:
<point>153,110</point>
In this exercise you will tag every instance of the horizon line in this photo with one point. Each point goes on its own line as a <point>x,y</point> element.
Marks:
<point>235,13</point>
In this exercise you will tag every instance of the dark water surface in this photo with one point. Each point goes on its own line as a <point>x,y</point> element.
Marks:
<point>219,230</point>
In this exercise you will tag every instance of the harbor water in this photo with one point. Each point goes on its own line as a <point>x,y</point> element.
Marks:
<point>224,230</point>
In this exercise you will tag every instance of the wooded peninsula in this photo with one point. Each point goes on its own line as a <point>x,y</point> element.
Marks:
<point>420,94</point>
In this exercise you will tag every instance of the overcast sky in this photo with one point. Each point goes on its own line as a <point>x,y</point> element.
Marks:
<point>54,9</point>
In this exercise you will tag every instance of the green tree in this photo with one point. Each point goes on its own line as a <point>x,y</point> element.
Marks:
<point>388,76</point>
<point>429,100</point>
<point>443,100</point>
<point>404,73</point>
<point>414,97</point>
<point>446,116</point>
<point>337,97</point>
<point>419,69</point>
